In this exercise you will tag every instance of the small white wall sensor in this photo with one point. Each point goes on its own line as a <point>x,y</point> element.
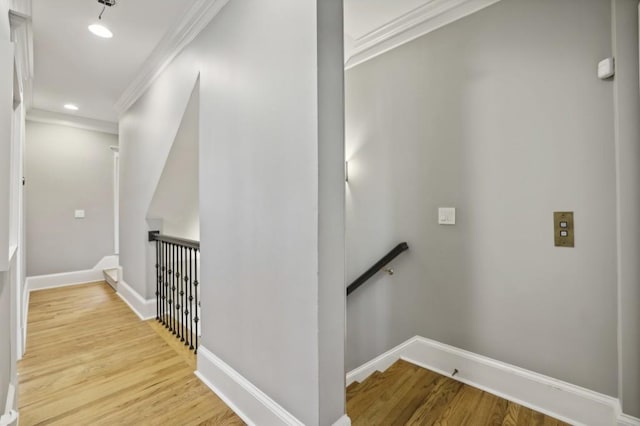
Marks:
<point>606,69</point>
<point>446,216</point>
<point>79,214</point>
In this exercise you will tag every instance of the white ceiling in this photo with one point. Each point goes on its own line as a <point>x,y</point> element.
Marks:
<point>363,16</point>
<point>74,66</point>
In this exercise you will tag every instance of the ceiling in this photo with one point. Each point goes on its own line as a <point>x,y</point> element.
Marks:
<point>74,66</point>
<point>71,65</point>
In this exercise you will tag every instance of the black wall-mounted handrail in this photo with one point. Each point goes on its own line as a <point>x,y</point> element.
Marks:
<point>157,236</point>
<point>377,267</point>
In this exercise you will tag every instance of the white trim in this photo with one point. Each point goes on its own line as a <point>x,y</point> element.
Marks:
<point>22,36</point>
<point>343,421</point>
<point>116,199</point>
<point>416,23</point>
<point>65,279</point>
<point>627,420</point>
<point>26,295</point>
<point>108,262</point>
<point>192,23</point>
<point>10,415</point>
<point>50,117</point>
<point>559,399</point>
<point>252,405</point>
<point>145,309</point>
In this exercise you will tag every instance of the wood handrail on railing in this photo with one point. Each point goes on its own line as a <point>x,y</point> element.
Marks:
<point>377,267</point>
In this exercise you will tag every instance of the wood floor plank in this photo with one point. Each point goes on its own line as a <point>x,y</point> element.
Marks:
<point>91,361</point>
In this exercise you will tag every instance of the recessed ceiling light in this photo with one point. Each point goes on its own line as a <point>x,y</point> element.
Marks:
<point>100,31</point>
<point>71,107</point>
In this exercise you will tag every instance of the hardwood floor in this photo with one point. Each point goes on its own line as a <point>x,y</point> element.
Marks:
<point>91,361</point>
<point>406,394</point>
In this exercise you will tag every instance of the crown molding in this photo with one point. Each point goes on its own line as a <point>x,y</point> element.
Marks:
<point>176,39</point>
<point>50,117</point>
<point>418,22</point>
<point>22,36</point>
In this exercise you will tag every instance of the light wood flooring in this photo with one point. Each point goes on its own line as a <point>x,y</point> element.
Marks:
<point>91,361</point>
<point>406,394</point>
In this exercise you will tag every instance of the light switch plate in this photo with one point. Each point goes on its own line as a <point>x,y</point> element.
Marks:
<point>446,216</point>
<point>563,229</point>
<point>79,214</point>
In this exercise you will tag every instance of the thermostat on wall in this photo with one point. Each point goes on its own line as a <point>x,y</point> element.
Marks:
<point>606,68</point>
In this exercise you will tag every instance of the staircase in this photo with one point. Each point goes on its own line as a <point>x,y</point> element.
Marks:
<point>406,394</point>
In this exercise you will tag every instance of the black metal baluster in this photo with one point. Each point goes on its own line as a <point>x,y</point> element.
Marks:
<point>181,286</point>
<point>169,278</point>
<point>185,283</point>
<point>191,296</point>
<point>185,286</point>
<point>178,291</point>
<point>157,281</point>
<point>173,292</point>
<point>163,255</point>
<point>196,307</point>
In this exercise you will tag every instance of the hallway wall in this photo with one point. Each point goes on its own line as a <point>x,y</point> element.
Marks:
<point>67,169</point>
<point>502,116</point>
<point>271,194</point>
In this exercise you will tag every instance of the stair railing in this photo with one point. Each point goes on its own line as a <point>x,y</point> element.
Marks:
<point>177,286</point>
<point>378,266</point>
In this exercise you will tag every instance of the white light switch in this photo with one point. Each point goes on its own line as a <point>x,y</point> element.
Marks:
<point>79,214</point>
<point>447,216</point>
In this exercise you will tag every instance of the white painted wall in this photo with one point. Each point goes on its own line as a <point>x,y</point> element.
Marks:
<point>500,115</point>
<point>271,182</point>
<point>68,169</point>
<point>175,200</point>
<point>7,263</point>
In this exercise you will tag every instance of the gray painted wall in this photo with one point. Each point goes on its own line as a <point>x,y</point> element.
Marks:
<point>270,196</point>
<point>67,169</point>
<point>175,201</point>
<point>500,115</point>
<point>627,122</point>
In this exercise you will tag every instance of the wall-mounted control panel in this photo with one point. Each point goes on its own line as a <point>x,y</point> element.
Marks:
<point>563,229</point>
<point>78,214</point>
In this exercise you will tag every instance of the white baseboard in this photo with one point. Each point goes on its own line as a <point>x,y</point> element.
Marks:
<point>25,315</point>
<point>10,416</point>
<point>108,262</point>
<point>625,419</point>
<point>252,405</point>
<point>343,421</point>
<point>145,309</point>
<point>559,399</point>
<point>44,282</point>
<point>64,279</point>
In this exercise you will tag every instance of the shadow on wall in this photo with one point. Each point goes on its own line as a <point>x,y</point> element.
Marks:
<point>174,208</point>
